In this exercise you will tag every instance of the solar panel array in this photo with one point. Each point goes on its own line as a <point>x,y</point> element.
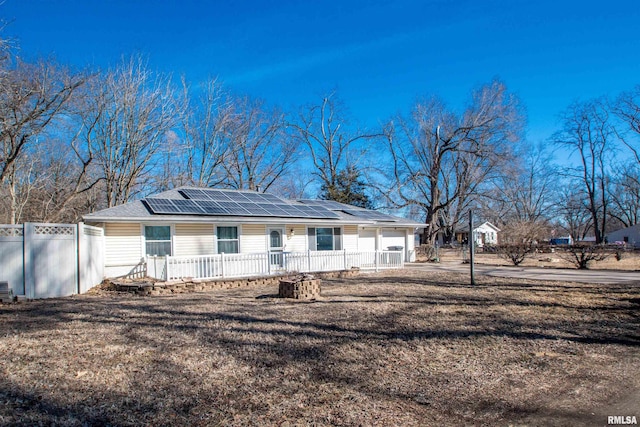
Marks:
<point>235,203</point>
<point>230,196</point>
<point>329,204</point>
<point>354,211</point>
<point>368,214</point>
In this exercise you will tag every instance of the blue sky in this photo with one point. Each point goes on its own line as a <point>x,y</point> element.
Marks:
<point>379,55</point>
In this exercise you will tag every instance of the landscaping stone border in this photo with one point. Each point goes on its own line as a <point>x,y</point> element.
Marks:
<point>148,287</point>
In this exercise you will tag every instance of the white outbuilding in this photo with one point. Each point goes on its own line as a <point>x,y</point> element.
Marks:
<point>629,236</point>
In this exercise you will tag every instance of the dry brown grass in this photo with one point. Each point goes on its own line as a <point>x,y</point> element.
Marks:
<point>630,261</point>
<point>398,348</point>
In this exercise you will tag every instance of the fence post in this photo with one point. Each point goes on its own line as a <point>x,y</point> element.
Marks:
<point>269,262</point>
<point>29,282</point>
<point>344,251</point>
<point>309,261</point>
<point>78,271</point>
<point>166,268</point>
<point>222,264</point>
<point>377,259</point>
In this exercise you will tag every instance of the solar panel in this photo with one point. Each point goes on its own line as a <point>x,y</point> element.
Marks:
<point>161,206</point>
<point>312,212</point>
<point>277,210</point>
<point>218,195</point>
<point>291,211</point>
<point>271,198</point>
<point>211,207</point>
<point>233,208</point>
<point>307,209</point>
<point>254,209</point>
<point>252,197</point>
<point>321,213</point>
<point>194,193</point>
<point>188,206</point>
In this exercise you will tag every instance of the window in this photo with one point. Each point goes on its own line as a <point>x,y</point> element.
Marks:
<point>325,239</point>
<point>157,240</point>
<point>228,240</point>
<point>275,239</point>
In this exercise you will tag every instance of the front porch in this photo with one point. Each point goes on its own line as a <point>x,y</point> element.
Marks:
<point>170,268</point>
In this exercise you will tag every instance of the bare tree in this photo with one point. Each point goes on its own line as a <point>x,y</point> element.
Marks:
<point>588,132</point>
<point>441,158</point>
<point>573,213</point>
<point>295,185</point>
<point>627,109</point>
<point>464,187</point>
<point>625,195</point>
<point>526,190</point>
<point>125,124</point>
<point>51,185</point>
<point>332,147</point>
<point>258,151</point>
<point>523,198</point>
<point>208,117</point>
<point>32,97</point>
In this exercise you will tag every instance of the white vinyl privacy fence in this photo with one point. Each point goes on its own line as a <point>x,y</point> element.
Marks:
<point>51,260</point>
<point>265,263</point>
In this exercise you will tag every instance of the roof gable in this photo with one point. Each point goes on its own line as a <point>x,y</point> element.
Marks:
<point>487,224</point>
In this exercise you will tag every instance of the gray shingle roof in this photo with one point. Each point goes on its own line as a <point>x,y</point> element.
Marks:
<point>137,211</point>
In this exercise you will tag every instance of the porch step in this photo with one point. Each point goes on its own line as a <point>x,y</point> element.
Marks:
<point>6,293</point>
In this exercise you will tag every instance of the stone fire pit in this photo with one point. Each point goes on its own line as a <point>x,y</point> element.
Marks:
<point>303,286</point>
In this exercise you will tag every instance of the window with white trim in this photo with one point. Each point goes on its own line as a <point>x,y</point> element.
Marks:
<point>157,239</point>
<point>228,241</point>
<point>325,238</point>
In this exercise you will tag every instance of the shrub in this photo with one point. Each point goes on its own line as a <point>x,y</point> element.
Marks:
<point>515,253</point>
<point>581,255</point>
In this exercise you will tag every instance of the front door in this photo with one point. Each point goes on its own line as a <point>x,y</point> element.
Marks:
<point>276,246</point>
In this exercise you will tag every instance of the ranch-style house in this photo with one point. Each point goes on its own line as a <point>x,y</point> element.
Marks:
<point>194,231</point>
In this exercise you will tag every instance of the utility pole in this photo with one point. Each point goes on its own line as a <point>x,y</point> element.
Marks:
<point>471,247</point>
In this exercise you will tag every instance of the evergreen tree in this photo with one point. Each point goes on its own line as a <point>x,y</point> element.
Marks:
<point>348,188</point>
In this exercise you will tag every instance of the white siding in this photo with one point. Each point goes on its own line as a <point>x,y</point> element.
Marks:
<point>393,238</point>
<point>350,237</point>
<point>193,239</point>
<point>632,235</point>
<point>253,238</point>
<point>367,240</point>
<point>411,245</point>
<point>297,242</point>
<point>123,244</point>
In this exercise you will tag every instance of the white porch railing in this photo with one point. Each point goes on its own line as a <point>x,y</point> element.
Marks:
<point>265,263</point>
